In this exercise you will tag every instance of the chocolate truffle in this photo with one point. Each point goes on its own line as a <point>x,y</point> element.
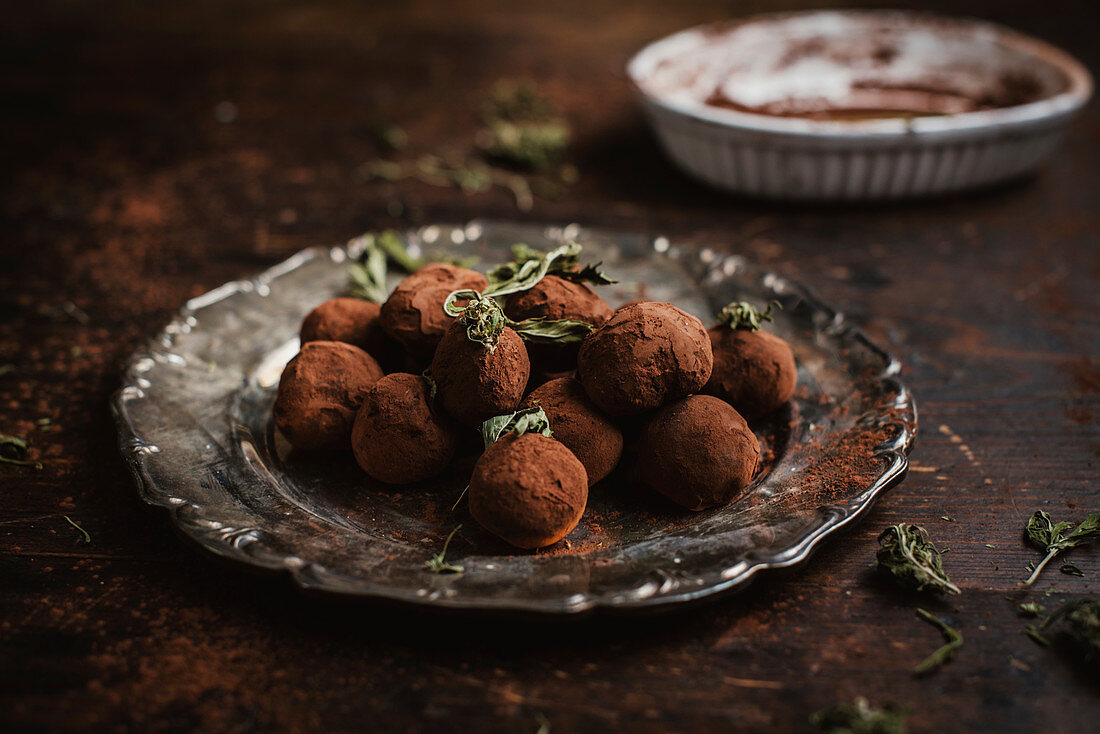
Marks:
<point>577,423</point>
<point>643,357</point>
<point>557,298</point>
<point>476,383</point>
<point>353,321</point>
<point>528,490</point>
<point>319,392</point>
<point>397,437</point>
<point>699,452</point>
<point>413,315</point>
<point>754,371</point>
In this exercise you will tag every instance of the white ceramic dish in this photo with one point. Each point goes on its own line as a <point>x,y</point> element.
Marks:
<point>1003,102</point>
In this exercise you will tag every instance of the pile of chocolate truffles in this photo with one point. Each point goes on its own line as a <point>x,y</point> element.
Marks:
<point>538,354</point>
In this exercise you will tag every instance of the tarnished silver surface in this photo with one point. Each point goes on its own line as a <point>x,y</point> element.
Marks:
<point>194,424</point>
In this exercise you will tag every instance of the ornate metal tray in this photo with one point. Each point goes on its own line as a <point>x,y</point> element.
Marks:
<point>194,425</point>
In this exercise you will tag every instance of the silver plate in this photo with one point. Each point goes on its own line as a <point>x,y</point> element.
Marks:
<point>194,424</point>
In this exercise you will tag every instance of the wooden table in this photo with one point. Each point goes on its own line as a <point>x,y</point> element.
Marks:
<point>154,151</point>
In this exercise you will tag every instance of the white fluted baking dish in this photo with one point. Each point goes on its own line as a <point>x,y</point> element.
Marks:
<point>761,143</point>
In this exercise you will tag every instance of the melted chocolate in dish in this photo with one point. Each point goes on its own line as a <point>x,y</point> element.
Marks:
<point>850,66</point>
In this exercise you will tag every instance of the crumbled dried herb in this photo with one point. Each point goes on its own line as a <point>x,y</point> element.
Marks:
<point>531,145</point>
<point>1080,621</point>
<point>1056,538</point>
<point>438,563</point>
<point>1031,609</point>
<point>6,368</point>
<point>516,100</point>
<point>860,718</point>
<point>471,175</point>
<point>744,315</point>
<point>912,560</point>
<point>521,127</point>
<point>942,656</point>
<point>1070,570</point>
<point>391,136</point>
<point>13,450</point>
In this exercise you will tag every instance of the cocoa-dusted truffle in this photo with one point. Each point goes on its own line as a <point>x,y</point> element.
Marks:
<point>350,320</point>
<point>319,392</point>
<point>476,382</point>
<point>754,371</point>
<point>413,314</point>
<point>397,437</point>
<point>580,426</point>
<point>643,357</point>
<point>699,452</point>
<point>554,297</point>
<point>528,490</point>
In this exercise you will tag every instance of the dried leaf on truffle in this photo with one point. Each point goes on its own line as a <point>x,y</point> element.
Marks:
<point>522,275</point>
<point>563,266</point>
<point>912,560</point>
<point>482,316</point>
<point>527,420</point>
<point>1055,538</point>
<point>744,315</point>
<point>560,331</point>
<point>485,320</point>
<point>860,718</point>
<point>945,654</point>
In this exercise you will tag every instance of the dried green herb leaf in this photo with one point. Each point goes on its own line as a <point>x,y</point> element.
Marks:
<point>953,641</point>
<point>560,331</point>
<point>564,266</point>
<point>1054,538</point>
<point>948,518</point>
<point>482,316</point>
<point>1031,609</point>
<point>912,560</point>
<point>744,315</point>
<point>517,101</point>
<point>1037,636</point>
<point>6,368</point>
<point>391,136</point>
<point>522,276</point>
<point>13,450</point>
<point>531,145</point>
<point>1070,570</point>
<point>528,420</point>
<point>588,274</point>
<point>86,538</point>
<point>860,718</point>
<point>367,276</point>
<point>1081,622</point>
<point>438,563</point>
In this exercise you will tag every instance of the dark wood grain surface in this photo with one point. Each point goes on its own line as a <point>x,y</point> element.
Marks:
<point>125,194</point>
